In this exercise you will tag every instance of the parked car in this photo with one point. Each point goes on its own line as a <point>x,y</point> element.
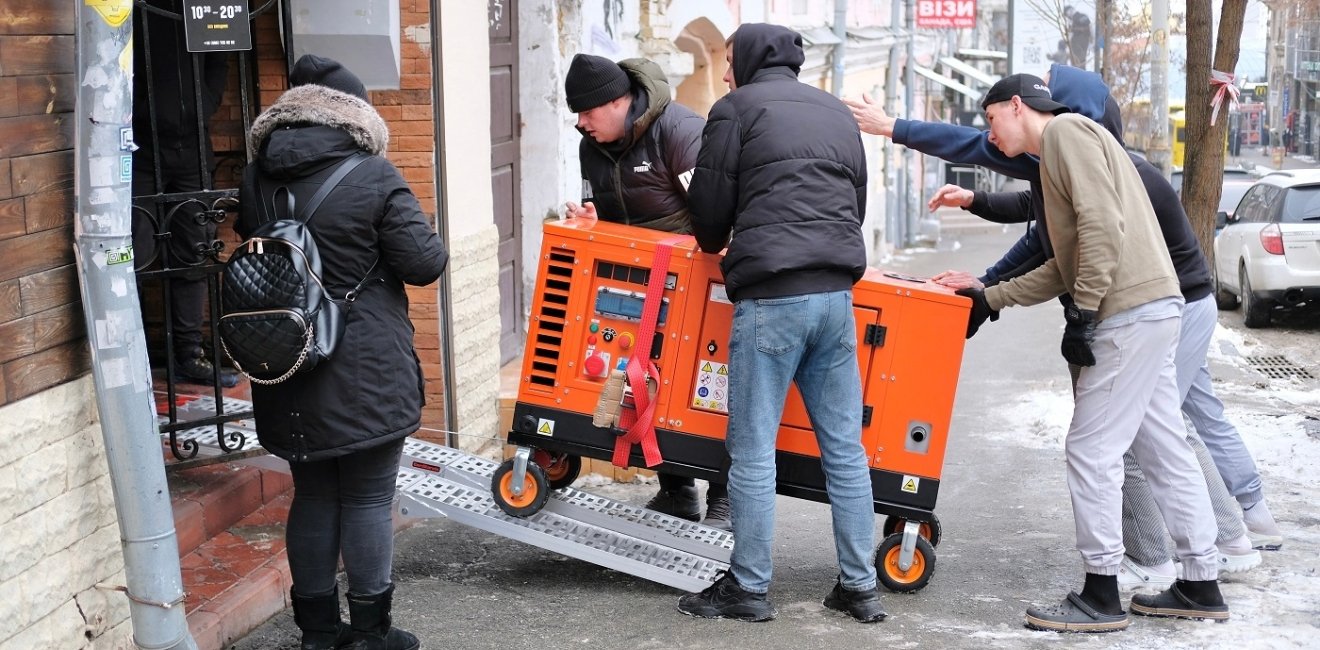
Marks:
<point>1268,255</point>
<point>1234,173</point>
<point>1235,187</point>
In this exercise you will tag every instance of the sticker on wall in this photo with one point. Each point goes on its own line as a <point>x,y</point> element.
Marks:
<point>910,484</point>
<point>545,427</point>
<point>125,169</point>
<point>711,391</point>
<point>113,12</point>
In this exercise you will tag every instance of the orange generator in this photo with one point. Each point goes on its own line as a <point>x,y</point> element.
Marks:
<point>588,313</point>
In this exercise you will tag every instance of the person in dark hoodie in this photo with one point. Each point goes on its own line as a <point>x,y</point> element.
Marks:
<point>342,426</point>
<point>782,170</point>
<point>1215,439</point>
<point>637,153</point>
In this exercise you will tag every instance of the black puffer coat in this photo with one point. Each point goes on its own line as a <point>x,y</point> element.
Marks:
<point>782,168</point>
<point>639,180</point>
<point>370,392</point>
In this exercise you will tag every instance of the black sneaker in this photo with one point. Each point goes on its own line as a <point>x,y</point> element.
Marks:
<point>865,606</point>
<point>191,365</point>
<point>679,502</point>
<point>727,599</point>
<point>718,514</point>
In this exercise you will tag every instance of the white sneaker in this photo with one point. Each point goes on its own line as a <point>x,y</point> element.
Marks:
<point>1238,563</point>
<point>1133,576</point>
<point>1262,530</point>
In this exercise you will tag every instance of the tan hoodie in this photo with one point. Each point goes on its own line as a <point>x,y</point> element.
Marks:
<point>1108,250</point>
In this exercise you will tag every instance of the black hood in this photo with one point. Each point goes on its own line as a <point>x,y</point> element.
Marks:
<point>1113,119</point>
<point>757,46</point>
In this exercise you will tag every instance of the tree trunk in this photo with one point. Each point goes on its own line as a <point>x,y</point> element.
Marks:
<point>1203,168</point>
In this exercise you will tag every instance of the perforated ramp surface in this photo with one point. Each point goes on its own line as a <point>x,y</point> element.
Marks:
<point>438,481</point>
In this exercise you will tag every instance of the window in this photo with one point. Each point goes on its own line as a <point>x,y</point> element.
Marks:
<point>1301,203</point>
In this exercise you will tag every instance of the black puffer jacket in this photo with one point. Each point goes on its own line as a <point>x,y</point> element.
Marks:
<point>649,163</point>
<point>370,392</point>
<point>782,168</point>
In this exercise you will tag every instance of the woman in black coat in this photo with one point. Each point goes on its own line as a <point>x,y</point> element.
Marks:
<point>342,425</point>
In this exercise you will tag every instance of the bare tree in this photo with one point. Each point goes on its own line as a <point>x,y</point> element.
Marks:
<point>1203,171</point>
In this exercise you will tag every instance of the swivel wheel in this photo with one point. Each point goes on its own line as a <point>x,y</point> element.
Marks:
<point>522,500</point>
<point>888,564</point>
<point>561,469</point>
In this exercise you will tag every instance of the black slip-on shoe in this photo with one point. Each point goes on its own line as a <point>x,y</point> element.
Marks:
<point>1173,603</point>
<point>1074,615</point>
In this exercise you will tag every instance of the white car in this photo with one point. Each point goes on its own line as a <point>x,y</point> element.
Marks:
<point>1268,254</point>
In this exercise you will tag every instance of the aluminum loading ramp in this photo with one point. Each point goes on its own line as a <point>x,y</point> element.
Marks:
<point>439,481</point>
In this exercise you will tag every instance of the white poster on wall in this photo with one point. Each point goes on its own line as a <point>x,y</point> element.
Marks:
<point>1042,32</point>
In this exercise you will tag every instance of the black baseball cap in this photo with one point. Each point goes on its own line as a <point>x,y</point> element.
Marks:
<point>1030,88</point>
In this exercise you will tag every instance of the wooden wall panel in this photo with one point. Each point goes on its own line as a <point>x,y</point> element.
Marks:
<point>30,134</point>
<point>37,17</point>
<point>35,253</point>
<point>33,374</point>
<point>49,289</point>
<point>41,54</point>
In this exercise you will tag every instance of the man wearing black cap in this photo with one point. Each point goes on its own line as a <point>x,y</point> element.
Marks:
<point>637,153</point>
<point>1122,330</point>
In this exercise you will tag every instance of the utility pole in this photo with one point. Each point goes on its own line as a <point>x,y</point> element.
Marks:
<point>909,80</point>
<point>894,223</point>
<point>120,369</point>
<point>1158,151</point>
<point>841,33</point>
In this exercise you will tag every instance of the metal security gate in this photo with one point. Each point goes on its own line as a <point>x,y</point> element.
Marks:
<point>183,190</point>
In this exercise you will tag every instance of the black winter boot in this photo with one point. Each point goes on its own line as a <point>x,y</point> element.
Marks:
<point>318,618</point>
<point>372,630</point>
<point>676,501</point>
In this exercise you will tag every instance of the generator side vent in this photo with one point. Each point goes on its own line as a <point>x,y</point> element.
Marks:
<point>551,319</point>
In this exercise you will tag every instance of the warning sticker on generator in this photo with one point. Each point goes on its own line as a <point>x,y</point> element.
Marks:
<point>911,484</point>
<point>545,427</point>
<point>711,390</point>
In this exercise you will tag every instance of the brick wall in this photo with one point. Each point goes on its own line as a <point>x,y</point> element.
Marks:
<point>60,536</point>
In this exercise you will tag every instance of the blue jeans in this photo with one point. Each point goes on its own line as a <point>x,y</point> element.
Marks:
<point>810,339</point>
<point>1203,408</point>
<point>343,506</point>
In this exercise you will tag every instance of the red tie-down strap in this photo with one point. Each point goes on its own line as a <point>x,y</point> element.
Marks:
<point>640,421</point>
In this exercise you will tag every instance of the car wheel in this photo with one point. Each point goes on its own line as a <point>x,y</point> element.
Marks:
<point>1255,311</point>
<point>1224,299</point>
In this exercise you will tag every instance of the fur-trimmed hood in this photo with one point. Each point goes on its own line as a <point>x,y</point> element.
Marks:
<point>318,105</point>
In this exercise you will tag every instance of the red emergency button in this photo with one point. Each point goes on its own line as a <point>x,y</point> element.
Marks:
<point>626,340</point>
<point>594,365</point>
<point>591,339</point>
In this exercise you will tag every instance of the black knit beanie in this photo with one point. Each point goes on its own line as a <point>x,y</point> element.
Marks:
<point>318,70</point>
<point>592,81</point>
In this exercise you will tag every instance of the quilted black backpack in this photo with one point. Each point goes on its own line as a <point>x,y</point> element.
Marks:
<point>277,317</point>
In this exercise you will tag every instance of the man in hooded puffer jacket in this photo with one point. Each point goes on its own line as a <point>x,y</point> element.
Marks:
<point>637,153</point>
<point>342,426</point>
<point>782,169</point>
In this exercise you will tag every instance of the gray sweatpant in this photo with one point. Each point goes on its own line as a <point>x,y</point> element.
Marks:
<point>1129,399</point>
<point>1144,535</point>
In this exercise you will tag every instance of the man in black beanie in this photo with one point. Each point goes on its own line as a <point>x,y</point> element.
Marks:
<point>637,153</point>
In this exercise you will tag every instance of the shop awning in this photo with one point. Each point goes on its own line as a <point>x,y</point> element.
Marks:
<point>968,71</point>
<point>947,82</point>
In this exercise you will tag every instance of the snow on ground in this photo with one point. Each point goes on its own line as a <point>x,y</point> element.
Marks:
<point>1276,605</point>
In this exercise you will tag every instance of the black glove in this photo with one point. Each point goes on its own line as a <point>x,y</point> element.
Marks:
<point>1078,335</point>
<point>980,310</point>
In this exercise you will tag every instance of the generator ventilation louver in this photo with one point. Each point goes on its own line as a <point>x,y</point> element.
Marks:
<point>552,319</point>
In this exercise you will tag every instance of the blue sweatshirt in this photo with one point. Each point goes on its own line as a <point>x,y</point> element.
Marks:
<point>1084,93</point>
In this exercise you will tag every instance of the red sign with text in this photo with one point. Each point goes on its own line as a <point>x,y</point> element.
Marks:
<point>946,14</point>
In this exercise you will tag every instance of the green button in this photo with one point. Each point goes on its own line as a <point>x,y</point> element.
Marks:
<point>595,327</point>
